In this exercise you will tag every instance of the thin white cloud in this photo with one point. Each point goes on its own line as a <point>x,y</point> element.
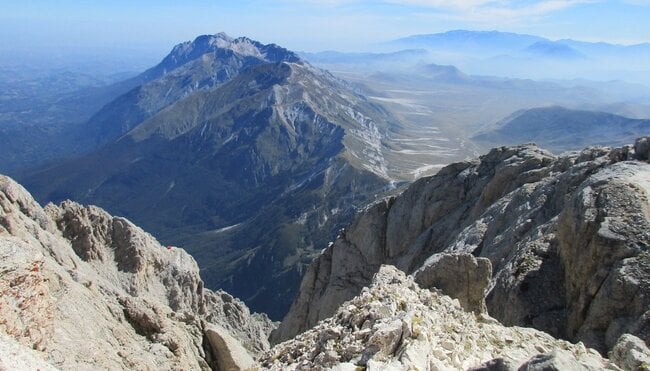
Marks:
<point>488,10</point>
<point>473,10</point>
<point>441,4</point>
<point>327,3</point>
<point>638,2</point>
<point>538,9</point>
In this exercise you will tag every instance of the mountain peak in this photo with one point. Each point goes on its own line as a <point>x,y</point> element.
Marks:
<point>242,45</point>
<point>205,62</point>
<point>553,49</point>
<point>223,35</point>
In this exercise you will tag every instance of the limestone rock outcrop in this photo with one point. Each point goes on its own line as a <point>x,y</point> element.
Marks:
<point>14,356</point>
<point>461,276</point>
<point>229,354</point>
<point>604,236</point>
<point>81,289</point>
<point>631,353</point>
<point>396,325</point>
<point>568,239</point>
<point>518,237</point>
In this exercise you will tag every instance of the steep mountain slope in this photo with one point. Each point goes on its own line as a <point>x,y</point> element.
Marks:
<point>249,175</point>
<point>567,239</point>
<point>62,114</point>
<point>207,61</point>
<point>561,129</point>
<point>86,290</point>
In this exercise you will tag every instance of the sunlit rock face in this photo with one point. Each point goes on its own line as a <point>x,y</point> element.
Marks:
<point>86,290</point>
<point>566,236</point>
<point>395,325</point>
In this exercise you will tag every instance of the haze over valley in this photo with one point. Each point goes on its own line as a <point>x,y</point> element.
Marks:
<point>336,184</point>
<point>142,145</point>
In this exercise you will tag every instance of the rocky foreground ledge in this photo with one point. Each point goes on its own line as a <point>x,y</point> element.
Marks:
<point>396,325</point>
<point>82,290</point>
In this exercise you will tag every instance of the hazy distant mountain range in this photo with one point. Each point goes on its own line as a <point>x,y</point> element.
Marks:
<point>495,42</point>
<point>481,52</point>
<point>528,56</point>
<point>551,49</point>
<point>483,42</point>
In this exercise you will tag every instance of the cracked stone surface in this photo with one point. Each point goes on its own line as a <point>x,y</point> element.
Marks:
<point>567,237</point>
<point>73,273</point>
<point>396,325</point>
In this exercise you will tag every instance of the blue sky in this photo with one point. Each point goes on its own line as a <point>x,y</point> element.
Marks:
<point>309,25</point>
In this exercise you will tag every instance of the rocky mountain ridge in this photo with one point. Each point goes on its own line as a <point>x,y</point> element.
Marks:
<point>566,239</point>
<point>71,274</point>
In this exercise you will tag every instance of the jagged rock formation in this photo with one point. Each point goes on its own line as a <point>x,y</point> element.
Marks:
<point>396,325</point>
<point>87,290</point>
<point>567,238</point>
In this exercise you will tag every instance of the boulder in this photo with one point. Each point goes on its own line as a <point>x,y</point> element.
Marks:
<point>631,353</point>
<point>461,276</point>
<point>229,354</point>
